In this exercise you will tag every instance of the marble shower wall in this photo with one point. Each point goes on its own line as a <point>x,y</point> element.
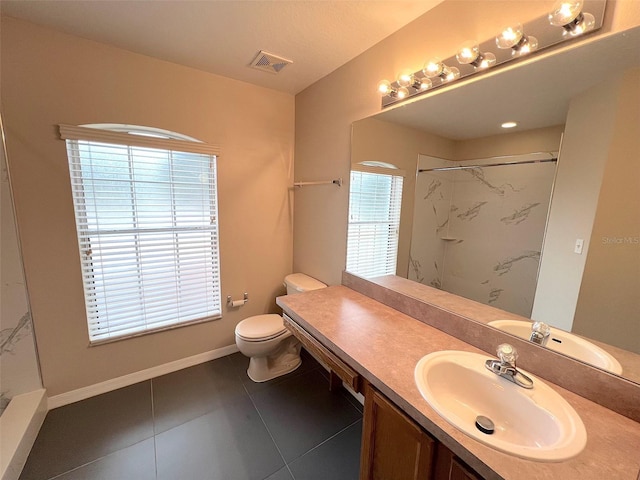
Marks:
<point>478,232</point>
<point>19,371</point>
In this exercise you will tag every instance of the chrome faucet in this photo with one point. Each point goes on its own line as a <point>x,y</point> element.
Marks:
<point>505,366</point>
<point>540,333</point>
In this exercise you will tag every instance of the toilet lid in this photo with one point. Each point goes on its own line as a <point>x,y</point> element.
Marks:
<point>260,326</point>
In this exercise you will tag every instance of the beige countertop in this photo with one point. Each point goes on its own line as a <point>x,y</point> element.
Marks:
<point>384,345</point>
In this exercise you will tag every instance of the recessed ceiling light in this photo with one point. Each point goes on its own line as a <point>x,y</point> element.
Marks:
<point>509,125</point>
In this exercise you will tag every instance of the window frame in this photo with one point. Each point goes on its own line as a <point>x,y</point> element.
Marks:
<point>393,220</point>
<point>135,137</point>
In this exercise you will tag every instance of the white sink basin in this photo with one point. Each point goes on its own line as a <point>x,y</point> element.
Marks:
<point>565,343</point>
<point>536,424</point>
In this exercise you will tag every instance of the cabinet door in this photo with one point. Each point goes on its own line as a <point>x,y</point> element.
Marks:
<point>393,446</point>
<point>449,467</point>
<point>459,471</point>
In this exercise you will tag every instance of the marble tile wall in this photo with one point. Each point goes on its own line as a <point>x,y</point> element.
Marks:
<point>19,371</point>
<point>478,232</point>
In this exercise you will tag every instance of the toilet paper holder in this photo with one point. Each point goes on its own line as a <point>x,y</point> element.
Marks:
<point>237,303</point>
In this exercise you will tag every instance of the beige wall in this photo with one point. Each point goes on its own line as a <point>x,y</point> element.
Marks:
<point>592,117</point>
<point>609,300</point>
<point>325,111</point>
<point>50,78</point>
<point>531,141</point>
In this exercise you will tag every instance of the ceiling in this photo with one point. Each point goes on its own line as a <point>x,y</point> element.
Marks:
<point>223,37</point>
<point>536,95</point>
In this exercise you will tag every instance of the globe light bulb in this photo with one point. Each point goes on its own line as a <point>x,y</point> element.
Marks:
<point>468,53</point>
<point>568,14</point>
<point>488,60</point>
<point>564,12</point>
<point>405,79</point>
<point>586,23</point>
<point>384,87</point>
<point>510,36</point>
<point>529,45</point>
<point>425,83</point>
<point>451,74</point>
<point>433,68</point>
<point>403,92</point>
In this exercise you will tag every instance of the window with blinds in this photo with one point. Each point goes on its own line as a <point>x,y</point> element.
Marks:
<point>147,222</point>
<point>374,220</point>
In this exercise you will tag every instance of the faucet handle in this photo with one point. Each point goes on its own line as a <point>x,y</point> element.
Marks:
<point>540,333</point>
<point>541,327</point>
<point>507,354</point>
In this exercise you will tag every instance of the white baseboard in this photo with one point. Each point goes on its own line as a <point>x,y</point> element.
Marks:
<point>20,424</point>
<point>126,380</point>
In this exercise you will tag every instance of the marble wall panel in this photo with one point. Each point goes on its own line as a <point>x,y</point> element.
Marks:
<point>19,371</point>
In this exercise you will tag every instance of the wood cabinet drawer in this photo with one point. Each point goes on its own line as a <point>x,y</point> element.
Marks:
<point>347,374</point>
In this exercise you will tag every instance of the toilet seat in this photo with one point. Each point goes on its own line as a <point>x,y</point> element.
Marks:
<point>260,328</point>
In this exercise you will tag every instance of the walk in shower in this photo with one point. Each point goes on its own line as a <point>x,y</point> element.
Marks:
<point>479,225</point>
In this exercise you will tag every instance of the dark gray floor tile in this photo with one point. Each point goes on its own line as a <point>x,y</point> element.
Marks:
<point>282,474</point>
<point>300,412</point>
<point>240,363</point>
<point>355,402</point>
<point>337,458</point>
<point>181,396</point>
<point>228,443</point>
<point>136,462</point>
<point>79,433</point>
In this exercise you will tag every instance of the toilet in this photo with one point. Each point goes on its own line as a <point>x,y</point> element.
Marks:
<point>272,350</point>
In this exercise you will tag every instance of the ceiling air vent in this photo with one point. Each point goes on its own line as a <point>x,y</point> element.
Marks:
<point>268,62</point>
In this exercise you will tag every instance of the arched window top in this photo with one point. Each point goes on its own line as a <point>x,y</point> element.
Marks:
<point>137,136</point>
<point>374,163</point>
<point>380,168</point>
<point>142,131</point>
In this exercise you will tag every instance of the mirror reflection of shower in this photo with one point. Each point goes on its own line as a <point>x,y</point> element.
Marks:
<point>479,226</point>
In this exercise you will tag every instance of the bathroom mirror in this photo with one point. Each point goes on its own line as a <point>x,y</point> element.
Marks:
<point>586,274</point>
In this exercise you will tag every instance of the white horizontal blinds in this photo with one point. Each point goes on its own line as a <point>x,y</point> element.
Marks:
<point>148,234</point>
<point>374,220</point>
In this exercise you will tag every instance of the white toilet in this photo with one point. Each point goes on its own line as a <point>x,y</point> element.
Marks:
<point>272,350</point>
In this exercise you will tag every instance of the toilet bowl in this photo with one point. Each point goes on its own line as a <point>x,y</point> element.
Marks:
<point>272,350</point>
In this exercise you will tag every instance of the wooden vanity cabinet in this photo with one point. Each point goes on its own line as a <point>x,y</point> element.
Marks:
<point>394,447</point>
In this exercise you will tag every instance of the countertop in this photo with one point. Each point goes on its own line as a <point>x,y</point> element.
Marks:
<point>384,345</point>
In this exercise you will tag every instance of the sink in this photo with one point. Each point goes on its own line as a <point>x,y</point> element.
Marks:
<point>565,343</point>
<point>536,424</point>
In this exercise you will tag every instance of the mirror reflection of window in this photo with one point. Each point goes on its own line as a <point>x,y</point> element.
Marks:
<point>375,201</point>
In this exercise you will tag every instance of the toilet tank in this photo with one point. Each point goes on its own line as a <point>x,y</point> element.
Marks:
<point>299,282</point>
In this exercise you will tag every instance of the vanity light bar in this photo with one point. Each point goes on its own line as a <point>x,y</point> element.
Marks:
<point>568,19</point>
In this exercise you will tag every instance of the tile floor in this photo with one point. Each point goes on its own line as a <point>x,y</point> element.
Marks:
<point>205,422</point>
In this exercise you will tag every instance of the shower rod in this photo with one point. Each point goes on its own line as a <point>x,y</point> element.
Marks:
<point>465,167</point>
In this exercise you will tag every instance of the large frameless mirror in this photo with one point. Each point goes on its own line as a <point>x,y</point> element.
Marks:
<point>541,220</point>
